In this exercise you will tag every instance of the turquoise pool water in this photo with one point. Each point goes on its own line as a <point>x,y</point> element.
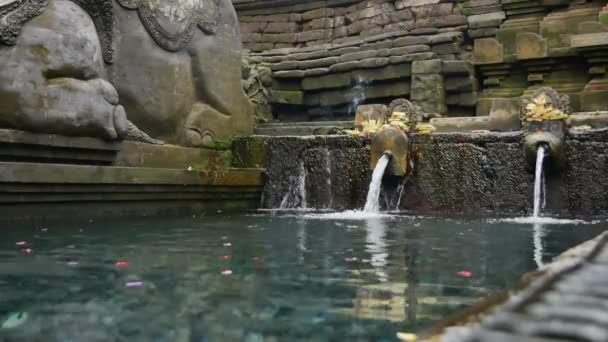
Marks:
<point>260,276</point>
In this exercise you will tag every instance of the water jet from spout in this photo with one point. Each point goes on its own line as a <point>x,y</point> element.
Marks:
<point>539,180</point>
<point>372,205</point>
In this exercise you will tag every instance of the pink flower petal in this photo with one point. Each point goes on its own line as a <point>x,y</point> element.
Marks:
<point>135,284</point>
<point>21,243</point>
<point>226,272</point>
<point>465,274</point>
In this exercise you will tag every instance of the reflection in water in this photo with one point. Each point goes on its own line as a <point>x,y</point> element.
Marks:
<point>539,233</point>
<point>376,246</point>
<point>301,235</point>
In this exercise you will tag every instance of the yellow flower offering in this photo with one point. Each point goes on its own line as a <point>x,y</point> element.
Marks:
<point>425,129</point>
<point>539,110</point>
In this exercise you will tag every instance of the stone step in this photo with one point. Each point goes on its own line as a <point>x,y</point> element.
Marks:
<point>42,190</point>
<point>302,128</point>
<point>345,124</point>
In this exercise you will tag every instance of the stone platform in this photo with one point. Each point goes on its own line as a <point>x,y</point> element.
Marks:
<point>43,176</point>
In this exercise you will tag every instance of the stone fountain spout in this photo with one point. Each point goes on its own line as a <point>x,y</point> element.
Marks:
<point>544,117</point>
<point>394,143</point>
<point>554,143</point>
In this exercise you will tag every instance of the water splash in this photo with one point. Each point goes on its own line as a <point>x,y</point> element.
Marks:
<point>539,180</point>
<point>372,205</point>
<point>295,198</point>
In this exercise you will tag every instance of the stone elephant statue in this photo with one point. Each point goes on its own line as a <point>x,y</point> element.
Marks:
<point>81,67</point>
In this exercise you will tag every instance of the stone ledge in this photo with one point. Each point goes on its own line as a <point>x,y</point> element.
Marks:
<point>34,173</point>
<point>136,154</point>
<point>16,145</point>
<point>31,190</point>
<point>474,138</point>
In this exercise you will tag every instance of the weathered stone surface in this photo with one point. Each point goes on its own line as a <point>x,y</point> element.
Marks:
<point>289,74</point>
<point>280,37</point>
<point>595,119</point>
<point>460,84</point>
<point>387,44</point>
<point>345,50</point>
<point>327,81</point>
<point>433,66</point>
<point>531,46</point>
<point>357,56</point>
<point>448,48</point>
<point>286,65</point>
<point>486,20</point>
<point>428,92</point>
<point>322,53</point>
<point>318,63</point>
<point>348,160</point>
<point>445,21</point>
<point>399,4</point>
<point>462,124</point>
<point>495,179</point>
<point>336,97</point>
<point>286,97</point>
<point>59,88</point>
<point>415,40</point>
<point>457,67</point>
<point>366,63</point>
<point>407,50</point>
<point>433,10</point>
<point>280,27</point>
<point>488,51</point>
<point>316,72</point>
<point>311,35</point>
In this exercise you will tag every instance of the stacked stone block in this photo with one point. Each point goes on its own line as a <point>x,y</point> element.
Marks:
<point>327,56</point>
<point>344,21</point>
<point>323,81</point>
<point>560,44</point>
<point>484,17</point>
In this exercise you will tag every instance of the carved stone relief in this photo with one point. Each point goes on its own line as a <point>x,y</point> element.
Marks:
<point>103,18</point>
<point>171,23</point>
<point>411,110</point>
<point>553,98</point>
<point>14,14</point>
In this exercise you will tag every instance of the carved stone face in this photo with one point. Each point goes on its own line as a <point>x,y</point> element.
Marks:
<point>172,22</point>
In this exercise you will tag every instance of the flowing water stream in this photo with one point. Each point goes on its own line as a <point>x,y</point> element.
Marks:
<point>372,204</point>
<point>295,198</point>
<point>539,180</point>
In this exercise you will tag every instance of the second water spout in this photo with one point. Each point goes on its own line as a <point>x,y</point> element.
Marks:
<point>539,179</point>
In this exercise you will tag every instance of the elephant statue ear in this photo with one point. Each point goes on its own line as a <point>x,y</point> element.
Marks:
<point>14,14</point>
<point>101,11</point>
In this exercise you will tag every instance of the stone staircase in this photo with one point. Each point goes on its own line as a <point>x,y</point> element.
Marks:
<point>302,128</point>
